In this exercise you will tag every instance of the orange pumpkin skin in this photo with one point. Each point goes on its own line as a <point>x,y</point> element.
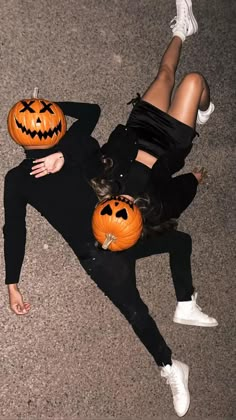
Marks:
<point>119,220</point>
<point>36,123</point>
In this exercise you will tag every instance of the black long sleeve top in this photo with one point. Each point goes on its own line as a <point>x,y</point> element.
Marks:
<point>65,198</point>
<point>174,193</point>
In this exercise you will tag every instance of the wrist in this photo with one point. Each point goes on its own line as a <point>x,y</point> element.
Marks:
<point>12,287</point>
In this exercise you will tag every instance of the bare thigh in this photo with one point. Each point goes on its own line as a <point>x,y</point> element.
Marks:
<point>191,94</point>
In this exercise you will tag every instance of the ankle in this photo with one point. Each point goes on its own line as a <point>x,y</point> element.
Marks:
<point>204,109</point>
<point>180,35</point>
<point>203,116</point>
<point>164,364</point>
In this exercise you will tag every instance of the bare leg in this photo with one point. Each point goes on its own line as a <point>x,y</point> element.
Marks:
<point>159,93</point>
<point>192,94</point>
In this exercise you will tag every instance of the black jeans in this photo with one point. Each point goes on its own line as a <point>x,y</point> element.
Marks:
<point>114,274</point>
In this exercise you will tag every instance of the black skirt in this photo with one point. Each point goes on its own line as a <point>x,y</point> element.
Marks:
<point>159,133</point>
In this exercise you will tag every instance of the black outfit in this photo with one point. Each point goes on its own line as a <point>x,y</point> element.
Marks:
<point>160,134</point>
<point>154,131</point>
<point>67,201</point>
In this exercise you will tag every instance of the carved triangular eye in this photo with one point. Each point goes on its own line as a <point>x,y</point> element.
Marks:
<point>107,210</point>
<point>122,213</point>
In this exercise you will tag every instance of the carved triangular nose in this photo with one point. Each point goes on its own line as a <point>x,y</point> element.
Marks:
<point>38,120</point>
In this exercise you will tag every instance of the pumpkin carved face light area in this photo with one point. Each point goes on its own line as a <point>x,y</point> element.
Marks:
<point>36,123</point>
<point>117,223</point>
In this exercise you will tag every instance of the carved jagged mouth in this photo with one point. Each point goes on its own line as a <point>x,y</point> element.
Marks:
<point>39,133</point>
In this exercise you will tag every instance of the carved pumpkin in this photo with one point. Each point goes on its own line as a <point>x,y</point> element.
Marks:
<point>117,223</point>
<point>36,123</point>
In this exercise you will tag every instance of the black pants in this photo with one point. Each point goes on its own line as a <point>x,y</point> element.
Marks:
<point>114,274</point>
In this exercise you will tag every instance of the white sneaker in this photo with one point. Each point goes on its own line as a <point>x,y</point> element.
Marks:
<point>177,377</point>
<point>203,116</point>
<point>184,23</point>
<point>189,313</point>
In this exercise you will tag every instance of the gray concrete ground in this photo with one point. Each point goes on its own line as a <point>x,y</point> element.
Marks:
<point>74,356</point>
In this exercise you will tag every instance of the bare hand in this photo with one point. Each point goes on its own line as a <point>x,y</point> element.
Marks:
<point>200,174</point>
<point>48,165</point>
<point>17,305</point>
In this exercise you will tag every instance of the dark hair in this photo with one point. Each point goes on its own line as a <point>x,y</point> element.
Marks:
<point>105,186</point>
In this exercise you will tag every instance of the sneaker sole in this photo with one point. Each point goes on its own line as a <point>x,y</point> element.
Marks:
<point>194,25</point>
<point>194,323</point>
<point>186,376</point>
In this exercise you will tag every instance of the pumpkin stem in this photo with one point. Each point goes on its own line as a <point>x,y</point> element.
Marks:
<point>35,92</point>
<point>109,239</point>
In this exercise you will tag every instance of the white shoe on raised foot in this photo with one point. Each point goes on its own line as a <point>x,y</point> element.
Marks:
<point>177,377</point>
<point>189,313</point>
<point>184,23</point>
<point>203,116</point>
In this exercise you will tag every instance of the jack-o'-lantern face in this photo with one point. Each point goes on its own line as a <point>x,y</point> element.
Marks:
<point>36,123</point>
<point>117,223</point>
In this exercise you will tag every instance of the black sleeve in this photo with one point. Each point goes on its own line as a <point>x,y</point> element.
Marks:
<point>160,172</point>
<point>86,114</point>
<point>14,229</point>
<point>77,145</point>
<point>78,148</point>
<point>178,194</point>
<point>122,144</point>
<point>166,166</point>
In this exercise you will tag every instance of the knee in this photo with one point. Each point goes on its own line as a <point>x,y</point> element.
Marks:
<point>195,80</point>
<point>166,75</point>
<point>139,319</point>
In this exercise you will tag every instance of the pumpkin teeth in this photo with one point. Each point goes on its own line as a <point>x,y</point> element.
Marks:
<point>120,198</point>
<point>39,133</point>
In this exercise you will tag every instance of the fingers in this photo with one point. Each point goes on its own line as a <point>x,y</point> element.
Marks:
<point>200,174</point>
<point>47,165</point>
<point>39,160</point>
<point>43,173</point>
<point>20,308</point>
<point>41,165</point>
<point>17,304</point>
<point>40,173</point>
<point>39,170</point>
<point>27,306</point>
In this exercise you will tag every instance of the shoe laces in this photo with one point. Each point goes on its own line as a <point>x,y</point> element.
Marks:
<point>194,299</point>
<point>175,383</point>
<point>180,18</point>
